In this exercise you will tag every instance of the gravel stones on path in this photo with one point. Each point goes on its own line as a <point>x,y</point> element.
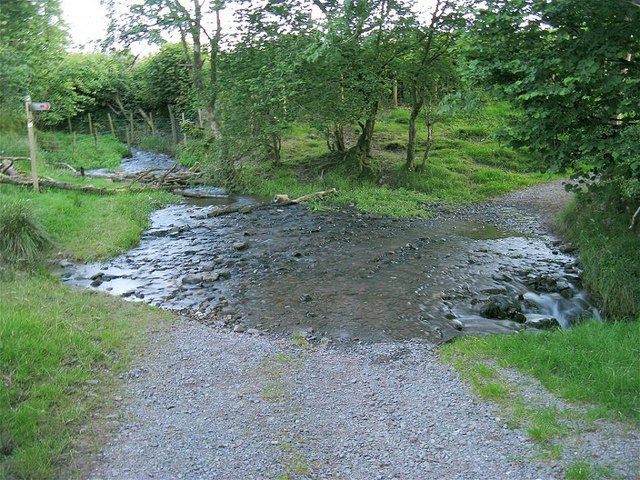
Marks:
<point>211,404</point>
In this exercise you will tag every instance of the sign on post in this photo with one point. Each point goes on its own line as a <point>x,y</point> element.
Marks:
<point>44,106</point>
<point>30,107</point>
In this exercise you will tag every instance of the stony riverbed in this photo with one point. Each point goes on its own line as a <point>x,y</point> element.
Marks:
<point>344,275</point>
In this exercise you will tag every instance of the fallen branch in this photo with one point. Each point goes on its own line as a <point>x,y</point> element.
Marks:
<point>7,167</point>
<point>192,194</point>
<point>167,173</point>
<point>634,219</point>
<point>14,159</point>
<point>279,201</point>
<point>49,182</point>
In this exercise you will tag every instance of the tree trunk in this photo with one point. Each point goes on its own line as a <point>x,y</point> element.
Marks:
<point>365,139</point>
<point>274,148</point>
<point>335,138</point>
<point>417,104</point>
<point>430,122</point>
<point>360,153</point>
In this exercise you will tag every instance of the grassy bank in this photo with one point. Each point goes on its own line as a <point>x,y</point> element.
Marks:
<point>61,348</point>
<point>90,226</point>
<point>57,148</point>
<point>467,164</point>
<point>60,353</point>
<point>608,254</point>
<point>597,363</point>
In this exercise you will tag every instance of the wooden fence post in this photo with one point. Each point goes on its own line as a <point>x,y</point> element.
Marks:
<point>113,130</point>
<point>184,135</point>
<point>172,118</point>
<point>32,144</point>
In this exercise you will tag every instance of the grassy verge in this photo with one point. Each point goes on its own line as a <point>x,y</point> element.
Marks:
<point>60,351</point>
<point>467,164</point>
<point>61,348</point>
<point>609,256</point>
<point>598,363</point>
<point>56,148</point>
<point>90,226</point>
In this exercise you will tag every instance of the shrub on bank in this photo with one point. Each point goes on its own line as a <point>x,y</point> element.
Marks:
<point>609,255</point>
<point>23,241</point>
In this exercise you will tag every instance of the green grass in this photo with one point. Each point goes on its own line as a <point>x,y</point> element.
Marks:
<point>466,165</point>
<point>90,226</point>
<point>57,147</point>
<point>608,252</point>
<point>60,348</point>
<point>583,470</point>
<point>23,241</point>
<point>53,340</point>
<point>597,363</point>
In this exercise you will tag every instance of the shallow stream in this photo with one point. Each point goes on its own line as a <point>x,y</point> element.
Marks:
<point>345,275</point>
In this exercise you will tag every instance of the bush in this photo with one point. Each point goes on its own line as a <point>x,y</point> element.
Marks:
<point>23,241</point>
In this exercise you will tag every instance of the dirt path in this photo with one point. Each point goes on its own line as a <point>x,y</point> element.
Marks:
<point>206,403</point>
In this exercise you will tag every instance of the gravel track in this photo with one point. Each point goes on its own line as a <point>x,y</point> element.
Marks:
<point>219,405</point>
<point>204,403</point>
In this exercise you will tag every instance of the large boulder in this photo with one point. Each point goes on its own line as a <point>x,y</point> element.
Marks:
<point>542,322</point>
<point>502,307</point>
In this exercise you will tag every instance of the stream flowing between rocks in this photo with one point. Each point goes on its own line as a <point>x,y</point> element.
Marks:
<point>344,275</point>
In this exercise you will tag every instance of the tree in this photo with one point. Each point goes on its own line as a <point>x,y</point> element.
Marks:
<point>32,36</point>
<point>260,85</point>
<point>79,82</point>
<point>151,18</point>
<point>164,79</point>
<point>427,68</point>
<point>572,67</point>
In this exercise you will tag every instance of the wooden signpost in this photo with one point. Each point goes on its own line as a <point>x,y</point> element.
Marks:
<point>30,108</point>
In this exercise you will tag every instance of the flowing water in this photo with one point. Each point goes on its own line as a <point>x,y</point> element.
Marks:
<point>345,275</point>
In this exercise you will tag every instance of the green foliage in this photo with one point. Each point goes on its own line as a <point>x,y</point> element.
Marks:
<point>23,241</point>
<point>33,37</point>
<point>81,82</point>
<point>163,79</point>
<point>609,255</point>
<point>594,362</point>
<point>572,67</point>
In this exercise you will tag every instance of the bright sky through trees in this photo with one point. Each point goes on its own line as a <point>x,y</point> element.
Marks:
<point>86,19</point>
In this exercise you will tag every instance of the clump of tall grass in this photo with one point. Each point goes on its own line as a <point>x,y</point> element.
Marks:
<point>23,241</point>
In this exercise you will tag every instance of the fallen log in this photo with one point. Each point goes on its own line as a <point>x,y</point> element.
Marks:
<point>6,167</point>
<point>279,201</point>
<point>49,182</point>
